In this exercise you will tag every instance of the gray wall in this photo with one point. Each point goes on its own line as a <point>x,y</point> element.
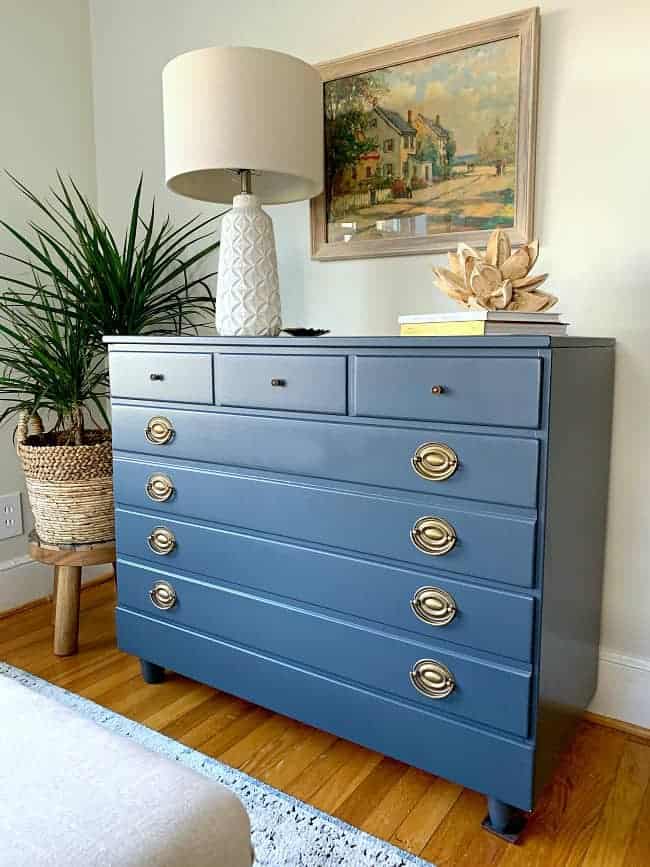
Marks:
<point>46,124</point>
<point>592,200</point>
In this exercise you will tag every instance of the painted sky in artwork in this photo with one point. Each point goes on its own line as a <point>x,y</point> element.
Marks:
<point>469,89</point>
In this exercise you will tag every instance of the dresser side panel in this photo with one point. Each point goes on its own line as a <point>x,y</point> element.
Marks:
<point>576,506</point>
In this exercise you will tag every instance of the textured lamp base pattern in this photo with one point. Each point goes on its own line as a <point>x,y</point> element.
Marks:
<point>248,293</point>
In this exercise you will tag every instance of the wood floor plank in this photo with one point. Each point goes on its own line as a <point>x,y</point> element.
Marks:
<point>343,782</point>
<point>251,753</point>
<point>296,759</point>
<point>367,796</point>
<point>447,846</point>
<point>189,698</point>
<point>196,726</point>
<point>609,843</point>
<point>595,813</point>
<point>425,818</point>
<point>639,844</point>
<point>235,730</point>
<point>569,808</point>
<point>398,802</point>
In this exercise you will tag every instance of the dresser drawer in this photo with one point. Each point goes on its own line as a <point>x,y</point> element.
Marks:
<point>305,383</point>
<point>485,760</point>
<point>488,544</point>
<point>497,469</point>
<point>497,696</point>
<point>165,376</point>
<point>460,389</point>
<point>428,605</point>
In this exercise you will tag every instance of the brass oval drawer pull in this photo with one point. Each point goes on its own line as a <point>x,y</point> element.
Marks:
<point>433,536</point>
<point>437,389</point>
<point>432,678</point>
<point>159,488</point>
<point>163,595</point>
<point>278,383</point>
<point>434,606</point>
<point>434,461</point>
<point>159,430</point>
<point>161,540</point>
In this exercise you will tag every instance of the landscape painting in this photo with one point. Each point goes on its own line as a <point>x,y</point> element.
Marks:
<point>426,150</point>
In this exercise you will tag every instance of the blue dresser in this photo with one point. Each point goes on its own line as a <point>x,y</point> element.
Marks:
<point>396,540</point>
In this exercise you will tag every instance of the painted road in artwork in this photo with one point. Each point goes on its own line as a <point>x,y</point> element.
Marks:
<point>426,147</point>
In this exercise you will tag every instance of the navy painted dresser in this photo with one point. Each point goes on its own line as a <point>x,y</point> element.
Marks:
<point>397,540</point>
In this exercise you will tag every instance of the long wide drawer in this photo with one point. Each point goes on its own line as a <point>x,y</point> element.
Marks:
<point>184,377</point>
<point>471,466</point>
<point>493,695</point>
<point>433,607</point>
<point>468,390</point>
<point>485,544</point>
<point>479,759</point>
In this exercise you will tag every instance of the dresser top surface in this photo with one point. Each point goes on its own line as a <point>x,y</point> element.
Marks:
<point>473,342</point>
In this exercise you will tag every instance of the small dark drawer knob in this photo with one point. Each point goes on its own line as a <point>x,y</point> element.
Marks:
<point>437,389</point>
<point>434,606</point>
<point>159,488</point>
<point>159,430</point>
<point>161,541</point>
<point>163,595</point>
<point>433,535</point>
<point>432,678</point>
<point>156,377</point>
<point>278,383</point>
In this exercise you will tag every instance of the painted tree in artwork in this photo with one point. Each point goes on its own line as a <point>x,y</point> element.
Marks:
<point>347,103</point>
<point>497,145</point>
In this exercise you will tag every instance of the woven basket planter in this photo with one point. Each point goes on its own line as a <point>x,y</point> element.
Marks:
<point>70,487</point>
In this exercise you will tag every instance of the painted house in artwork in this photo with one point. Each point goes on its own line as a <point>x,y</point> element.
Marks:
<point>395,139</point>
<point>431,132</point>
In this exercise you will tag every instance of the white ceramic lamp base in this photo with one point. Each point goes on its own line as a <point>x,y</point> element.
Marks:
<point>248,292</point>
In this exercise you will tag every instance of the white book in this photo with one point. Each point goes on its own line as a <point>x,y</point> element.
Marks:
<point>510,316</point>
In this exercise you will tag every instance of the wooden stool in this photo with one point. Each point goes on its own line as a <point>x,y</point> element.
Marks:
<point>68,561</point>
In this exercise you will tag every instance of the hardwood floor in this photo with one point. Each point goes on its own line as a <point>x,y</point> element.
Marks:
<point>596,813</point>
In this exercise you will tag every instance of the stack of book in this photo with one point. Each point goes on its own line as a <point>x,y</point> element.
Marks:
<point>481,322</point>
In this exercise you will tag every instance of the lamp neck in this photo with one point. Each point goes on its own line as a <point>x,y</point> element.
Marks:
<point>245,178</point>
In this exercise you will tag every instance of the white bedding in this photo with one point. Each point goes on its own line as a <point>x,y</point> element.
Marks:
<point>74,794</point>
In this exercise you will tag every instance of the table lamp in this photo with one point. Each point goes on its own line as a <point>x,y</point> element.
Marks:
<point>244,125</point>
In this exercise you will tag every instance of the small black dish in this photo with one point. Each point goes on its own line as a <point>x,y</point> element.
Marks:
<point>306,332</point>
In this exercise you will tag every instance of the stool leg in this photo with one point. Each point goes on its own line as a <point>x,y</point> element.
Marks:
<point>66,623</point>
<point>54,592</point>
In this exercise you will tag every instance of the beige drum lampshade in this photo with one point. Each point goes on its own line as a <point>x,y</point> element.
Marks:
<point>243,108</point>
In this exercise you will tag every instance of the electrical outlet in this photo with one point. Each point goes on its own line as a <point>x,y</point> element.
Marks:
<point>11,516</point>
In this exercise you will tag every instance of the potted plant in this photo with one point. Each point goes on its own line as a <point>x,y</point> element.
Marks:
<point>79,285</point>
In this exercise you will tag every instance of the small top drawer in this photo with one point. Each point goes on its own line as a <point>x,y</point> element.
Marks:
<point>304,383</point>
<point>183,377</point>
<point>465,389</point>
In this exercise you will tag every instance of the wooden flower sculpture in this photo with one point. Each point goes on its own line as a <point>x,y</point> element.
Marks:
<point>500,280</point>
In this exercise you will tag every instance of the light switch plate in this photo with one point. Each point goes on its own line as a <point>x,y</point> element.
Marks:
<point>11,516</point>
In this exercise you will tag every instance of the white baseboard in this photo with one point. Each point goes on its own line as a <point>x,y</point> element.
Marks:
<point>623,688</point>
<point>22,580</point>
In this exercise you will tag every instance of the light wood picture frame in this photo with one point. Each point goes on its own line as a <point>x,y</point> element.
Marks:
<point>430,190</point>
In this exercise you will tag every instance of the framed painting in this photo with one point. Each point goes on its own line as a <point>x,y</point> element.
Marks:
<point>430,142</point>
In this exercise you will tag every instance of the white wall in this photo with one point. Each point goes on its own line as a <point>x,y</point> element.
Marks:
<point>592,212</point>
<point>46,123</point>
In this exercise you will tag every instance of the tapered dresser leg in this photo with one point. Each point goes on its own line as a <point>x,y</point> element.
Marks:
<point>503,820</point>
<point>152,673</point>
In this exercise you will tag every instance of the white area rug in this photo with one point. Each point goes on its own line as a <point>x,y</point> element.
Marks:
<point>286,832</point>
